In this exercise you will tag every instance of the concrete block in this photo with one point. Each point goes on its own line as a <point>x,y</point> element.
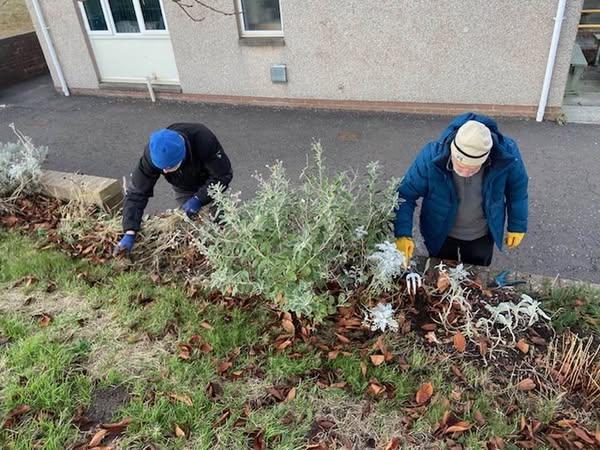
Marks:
<point>104,192</point>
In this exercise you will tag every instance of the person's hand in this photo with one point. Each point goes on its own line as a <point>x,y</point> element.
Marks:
<point>125,244</point>
<point>406,246</point>
<point>513,240</point>
<point>192,206</point>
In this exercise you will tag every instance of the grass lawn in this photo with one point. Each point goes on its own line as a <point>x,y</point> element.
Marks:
<point>14,18</point>
<point>82,346</point>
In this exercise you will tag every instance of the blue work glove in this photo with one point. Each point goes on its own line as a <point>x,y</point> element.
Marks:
<point>125,244</point>
<point>502,280</point>
<point>192,206</point>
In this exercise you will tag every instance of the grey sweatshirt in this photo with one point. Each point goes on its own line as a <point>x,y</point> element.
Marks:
<point>470,221</point>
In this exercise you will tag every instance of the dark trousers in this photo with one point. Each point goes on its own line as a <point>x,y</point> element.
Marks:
<point>181,195</point>
<point>478,252</point>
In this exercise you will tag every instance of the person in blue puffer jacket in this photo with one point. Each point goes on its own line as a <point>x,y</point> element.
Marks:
<point>472,181</point>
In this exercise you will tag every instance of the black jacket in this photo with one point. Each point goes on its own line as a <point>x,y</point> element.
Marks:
<point>205,164</point>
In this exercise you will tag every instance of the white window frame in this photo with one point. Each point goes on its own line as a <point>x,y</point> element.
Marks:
<point>257,33</point>
<point>112,29</point>
<point>107,32</point>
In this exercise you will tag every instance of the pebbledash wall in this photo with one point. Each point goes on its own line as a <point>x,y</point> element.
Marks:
<point>430,56</point>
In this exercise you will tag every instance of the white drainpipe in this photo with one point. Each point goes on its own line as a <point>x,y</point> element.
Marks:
<point>558,20</point>
<point>53,57</point>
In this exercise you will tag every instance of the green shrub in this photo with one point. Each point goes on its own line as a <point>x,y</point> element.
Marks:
<point>290,243</point>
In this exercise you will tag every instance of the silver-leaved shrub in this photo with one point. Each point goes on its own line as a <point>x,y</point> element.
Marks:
<point>294,243</point>
<point>20,166</point>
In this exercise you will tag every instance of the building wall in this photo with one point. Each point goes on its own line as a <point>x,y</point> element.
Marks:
<point>422,51</point>
<point>69,42</point>
<point>442,51</point>
<point>21,58</point>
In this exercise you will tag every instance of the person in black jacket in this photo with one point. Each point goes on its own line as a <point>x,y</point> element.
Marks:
<point>190,158</point>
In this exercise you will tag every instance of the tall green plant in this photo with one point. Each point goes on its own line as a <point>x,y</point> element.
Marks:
<point>289,243</point>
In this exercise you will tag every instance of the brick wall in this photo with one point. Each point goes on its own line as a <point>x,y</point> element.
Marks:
<point>21,58</point>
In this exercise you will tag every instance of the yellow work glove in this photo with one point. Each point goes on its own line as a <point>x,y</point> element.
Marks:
<point>406,246</point>
<point>513,240</point>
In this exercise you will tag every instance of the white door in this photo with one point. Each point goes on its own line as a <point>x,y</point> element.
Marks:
<point>130,40</point>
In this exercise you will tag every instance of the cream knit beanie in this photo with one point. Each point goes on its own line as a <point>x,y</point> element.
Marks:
<point>472,143</point>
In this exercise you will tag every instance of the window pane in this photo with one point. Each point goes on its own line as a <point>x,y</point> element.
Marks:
<point>95,16</point>
<point>153,18</point>
<point>261,15</point>
<point>124,17</point>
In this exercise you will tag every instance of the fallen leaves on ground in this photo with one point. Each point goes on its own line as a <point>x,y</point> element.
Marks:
<point>377,360</point>
<point>44,320</point>
<point>15,414</point>
<point>460,343</point>
<point>98,438</point>
<point>523,346</point>
<point>526,384</point>
<point>424,393</point>
<point>183,398</point>
<point>394,444</point>
<point>179,432</point>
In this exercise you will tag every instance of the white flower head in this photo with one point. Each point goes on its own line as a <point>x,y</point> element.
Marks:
<point>360,232</point>
<point>459,273</point>
<point>381,317</point>
<point>388,261</point>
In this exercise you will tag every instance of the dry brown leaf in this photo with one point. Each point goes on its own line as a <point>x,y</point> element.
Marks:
<point>363,368</point>
<point>103,447</point>
<point>429,327</point>
<point>460,342</point>
<point>45,320</point>
<point>224,366</point>
<point>333,354</point>
<point>597,435</point>
<point>183,398</point>
<point>319,446</point>
<point>523,346</point>
<point>179,432</point>
<point>377,360</point>
<point>443,282</point>
<point>97,438</point>
<point>458,428</point>
<point>483,347</point>
<point>258,443</point>
<point>375,388</point>
<point>291,395</point>
<point>117,427</point>
<point>288,326</point>
<point>479,418</point>
<point>343,339</point>
<point>457,372</point>
<point>496,443</point>
<point>526,384</point>
<point>15,414</point>
<point>424,393</point>
<point>206,347</point>
<point>207,326</point>
<point>283,345</point>
<point>394,444</point>
<point>222,418</point>
<point>276,393</point>
<point>583,435</point>
<point>185,351</point>
<point>432,338</point>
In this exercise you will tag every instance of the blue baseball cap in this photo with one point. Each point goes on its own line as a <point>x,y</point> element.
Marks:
<point>167,148</point>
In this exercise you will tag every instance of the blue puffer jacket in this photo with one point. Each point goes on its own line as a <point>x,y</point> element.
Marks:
<point>504,188</point>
